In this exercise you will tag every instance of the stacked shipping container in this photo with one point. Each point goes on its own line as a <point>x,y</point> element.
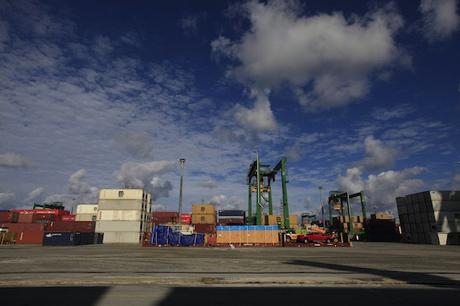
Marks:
<point>204,218</point>
<point>248,234</point>
<point>86,212</point>
<point>123,215</point>
<point>431,217</point>
<point>231,217</point>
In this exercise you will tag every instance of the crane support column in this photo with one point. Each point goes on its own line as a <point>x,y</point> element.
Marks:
<point>270,200</point>
<point>249,217</point>
<point>362,197</point>
<point>285,194</point>
<point>350,221</point>
<point>258,207</point>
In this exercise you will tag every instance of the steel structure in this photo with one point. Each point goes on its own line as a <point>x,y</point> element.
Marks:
<point>341,197</point>
<point>259,179</point>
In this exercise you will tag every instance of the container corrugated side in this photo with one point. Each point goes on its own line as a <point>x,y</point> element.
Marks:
<point>122,237</point>
<point>118,226</point>
<point>119,215</point>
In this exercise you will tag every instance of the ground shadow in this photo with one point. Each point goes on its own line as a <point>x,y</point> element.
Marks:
<point>223,296</point>
<point>50,296</point>
<point>407,277</point>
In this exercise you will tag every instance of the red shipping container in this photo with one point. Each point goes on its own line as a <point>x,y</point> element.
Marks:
<point>38,218</point>
<point>163,217</point>
<point>71,226</point>
<point>26,233</point>
<point>186,218</point>
<point>59,212</point>
<point>205,228</point>
<point>8,217</point>
<point>25,218</point>
<point>68,218</point>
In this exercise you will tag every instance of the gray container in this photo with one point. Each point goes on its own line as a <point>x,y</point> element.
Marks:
<point>121,205</point>
<point>122,237</point>
<point>119,226</point>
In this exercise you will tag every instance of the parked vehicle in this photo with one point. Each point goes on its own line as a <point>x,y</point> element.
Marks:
<point>314,237</point>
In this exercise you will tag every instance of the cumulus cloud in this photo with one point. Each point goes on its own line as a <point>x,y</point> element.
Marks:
<point>382,189</point>
<point>377,155</point>
<point>146,175</point>
<point>160,188</point>
<point>208,183</point>
<point>34,194</point>
<point>78,187</point>
<point>137,144</point>
<point>440,18</point>
<point>326,59</point>
<point>79,191</point>
<point>260,118</point>
<point>456,182</point>
<point>7,199</point>
<point>227,202</point>
<point>12,160</point>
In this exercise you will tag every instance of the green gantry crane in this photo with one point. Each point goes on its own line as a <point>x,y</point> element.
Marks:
<point>340,196</point>
<point>259,179</point>
<point>52,205</point>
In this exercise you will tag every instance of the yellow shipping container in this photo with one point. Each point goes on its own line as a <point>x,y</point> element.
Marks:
<point>203,219</point>
<point>203,209</point>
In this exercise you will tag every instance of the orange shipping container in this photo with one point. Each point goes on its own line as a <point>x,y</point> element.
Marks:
<point>203,219</point>
<point>203,209</point>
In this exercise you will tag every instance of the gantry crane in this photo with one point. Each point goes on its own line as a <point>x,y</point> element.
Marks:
<point>259,179</point>
<point>339,197</point>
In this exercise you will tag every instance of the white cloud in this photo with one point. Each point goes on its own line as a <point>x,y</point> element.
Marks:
<point>456,182</point>
<point>78,187</point>
<point>382,189</point>
<point>208,183</point>
<point>440,18</point>
<point>326,59</point>
<point>227,202</point>
<point>377,155</point>
<point>260,118</point>
<point>34,194</point>
<point>146,175</point>
<point>13,160</point>
<point>137,144</point>
<point>7,199</point>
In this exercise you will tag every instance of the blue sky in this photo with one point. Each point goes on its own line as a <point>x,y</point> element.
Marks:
<point>358,96</point>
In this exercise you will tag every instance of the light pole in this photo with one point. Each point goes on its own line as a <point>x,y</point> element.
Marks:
<point>321,204</point>
<point>182,166</point>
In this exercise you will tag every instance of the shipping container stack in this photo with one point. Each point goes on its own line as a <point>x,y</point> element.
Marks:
<point>430,217</point>
<point>29,225</point>
<point>279,220</point>
<point>123,215</point>
<point>86,212</point>
<point>231,217</point>
<point>257,235</point>
<point>340,223</point>
<point>165,217</point>
<point>204,218</point>
<point>382,227</point>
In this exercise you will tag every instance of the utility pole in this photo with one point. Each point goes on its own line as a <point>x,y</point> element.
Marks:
<point>182,166</point>
<point>321,204</point>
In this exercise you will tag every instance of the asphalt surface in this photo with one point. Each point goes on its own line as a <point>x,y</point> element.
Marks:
<point>130,275</point>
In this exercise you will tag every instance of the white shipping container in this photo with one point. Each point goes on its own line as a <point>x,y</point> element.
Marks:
<point>119,226</point>
<point>86,209</point>
<point>122,237</point>
<point>122,205</point>
<point>85,217</point>
<point>127,194</point>
<point>120,215</point>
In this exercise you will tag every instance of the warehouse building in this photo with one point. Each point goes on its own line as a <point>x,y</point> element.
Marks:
<point>123,215</point>
<point>430,217</point>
